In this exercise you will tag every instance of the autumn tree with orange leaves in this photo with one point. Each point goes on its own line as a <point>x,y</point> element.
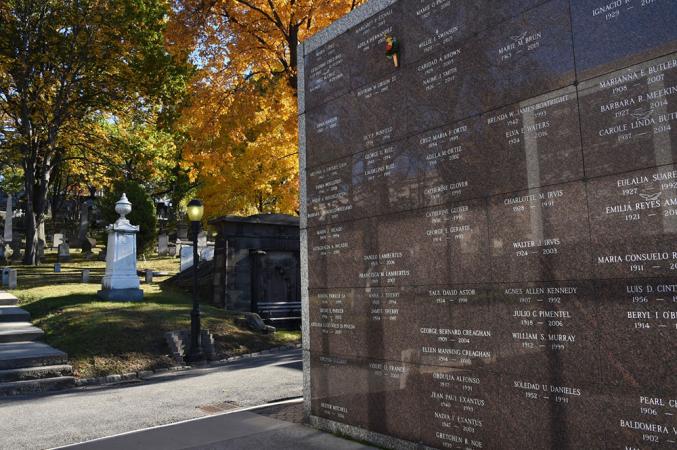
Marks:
<point>240,124</point>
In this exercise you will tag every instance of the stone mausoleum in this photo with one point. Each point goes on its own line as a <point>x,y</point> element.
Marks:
<point>257,263</point>
<point>489,224</point>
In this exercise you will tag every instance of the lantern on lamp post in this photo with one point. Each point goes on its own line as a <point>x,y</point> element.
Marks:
<point>195,211</point>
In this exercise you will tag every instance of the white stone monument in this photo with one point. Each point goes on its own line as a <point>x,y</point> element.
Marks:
<point>121,282</point>
<point>57,240</point>
<point>186,258</point>
<point>7,234</point>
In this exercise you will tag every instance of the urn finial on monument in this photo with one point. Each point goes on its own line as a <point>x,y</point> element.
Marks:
<point>123,207</point>
<point>121,282</point>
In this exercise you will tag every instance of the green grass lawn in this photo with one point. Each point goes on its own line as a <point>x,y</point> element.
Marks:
<point>103,338</point>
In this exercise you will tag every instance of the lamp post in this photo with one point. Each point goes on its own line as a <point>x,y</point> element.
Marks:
<point>195,212</point>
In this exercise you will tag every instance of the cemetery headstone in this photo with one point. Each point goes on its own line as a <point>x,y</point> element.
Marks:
<point>7,251</point>
<point>57,240</point>
<point>64,252</point>
<point>12,279</point>
<point>182,231</point>
<point>42,240</point>
<point>163,244</point>
<point>207,254</point>
<point>186,258</point>
<point>83,229</point>
<point>9,213</point>
<point>489,224</point>
<point>87,246</point>
<point>17,249</point>
<point>202,240</point>
<point>85,276</point>
<point>121,282</point>
<point>41,248</point>
<point>149,276</point>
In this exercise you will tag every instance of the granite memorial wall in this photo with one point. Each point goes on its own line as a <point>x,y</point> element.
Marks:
<point>489,230</point>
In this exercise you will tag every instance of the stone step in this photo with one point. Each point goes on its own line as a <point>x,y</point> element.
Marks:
<point>18,355</point>
<point>14,314</point>
<point>35,373</point>
<point>7,299</point>
<point>19,331</point>
<point>33,386</point>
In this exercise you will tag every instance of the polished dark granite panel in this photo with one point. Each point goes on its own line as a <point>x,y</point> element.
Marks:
<point>391,264</point>
<point>393,402</point>
<point>638,328</point>
<point>524,57</point>
<point>609,35</point>
<point>367,46</point>
<point>381,108</point>
<point>371,323</point>
<point>454,160</point>
<point>337,321</point>
<point>437,24</point>
<point>327,73</point>
<point>629,118</point>
<point>378,181</point>
<point>330,131</point>
<point>330,192</point>
<point>339,389</point>
<point>441,245</point>
<point>498,11</point>
<point>456,326</point>
<point>492,250</point>
<point>633,220</point>
<point>548,330</point>
<point>544,413</point>
<point>540,234</point>
<point>641,419</point>
<point>339,254</point>
<point>459,408</point>
<point>446,244</point>
<point>391,323</point>
<point>388,179</point>
<point>376,395</point>
<point>441,89</point>
<point>534,143</point>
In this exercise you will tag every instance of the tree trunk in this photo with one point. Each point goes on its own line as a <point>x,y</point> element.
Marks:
<point>31,248</point>
<point>293,58</point>
<point>37,188</point>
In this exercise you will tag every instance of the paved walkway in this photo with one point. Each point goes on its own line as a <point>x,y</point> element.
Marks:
<point>83,414</point>
<point>238,431</point>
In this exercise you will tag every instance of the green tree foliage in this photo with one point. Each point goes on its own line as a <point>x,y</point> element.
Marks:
<point>143,212</point>
<point>11,179</point>
<point>62,64</point>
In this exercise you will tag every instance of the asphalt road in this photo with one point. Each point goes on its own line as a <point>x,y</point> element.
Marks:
<point>253,429</point>
<point>79,415</point>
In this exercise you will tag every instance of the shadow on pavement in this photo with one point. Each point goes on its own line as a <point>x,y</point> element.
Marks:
<point>291,360</point>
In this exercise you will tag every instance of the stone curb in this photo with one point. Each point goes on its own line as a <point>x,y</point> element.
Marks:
<point>146,374</point>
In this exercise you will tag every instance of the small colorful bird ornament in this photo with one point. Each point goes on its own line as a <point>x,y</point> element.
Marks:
<point>393,50</point>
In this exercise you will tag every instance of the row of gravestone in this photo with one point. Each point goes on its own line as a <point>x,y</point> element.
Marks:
<point>183,249</point>
<point>206,253</point>
<point>13,251</point>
